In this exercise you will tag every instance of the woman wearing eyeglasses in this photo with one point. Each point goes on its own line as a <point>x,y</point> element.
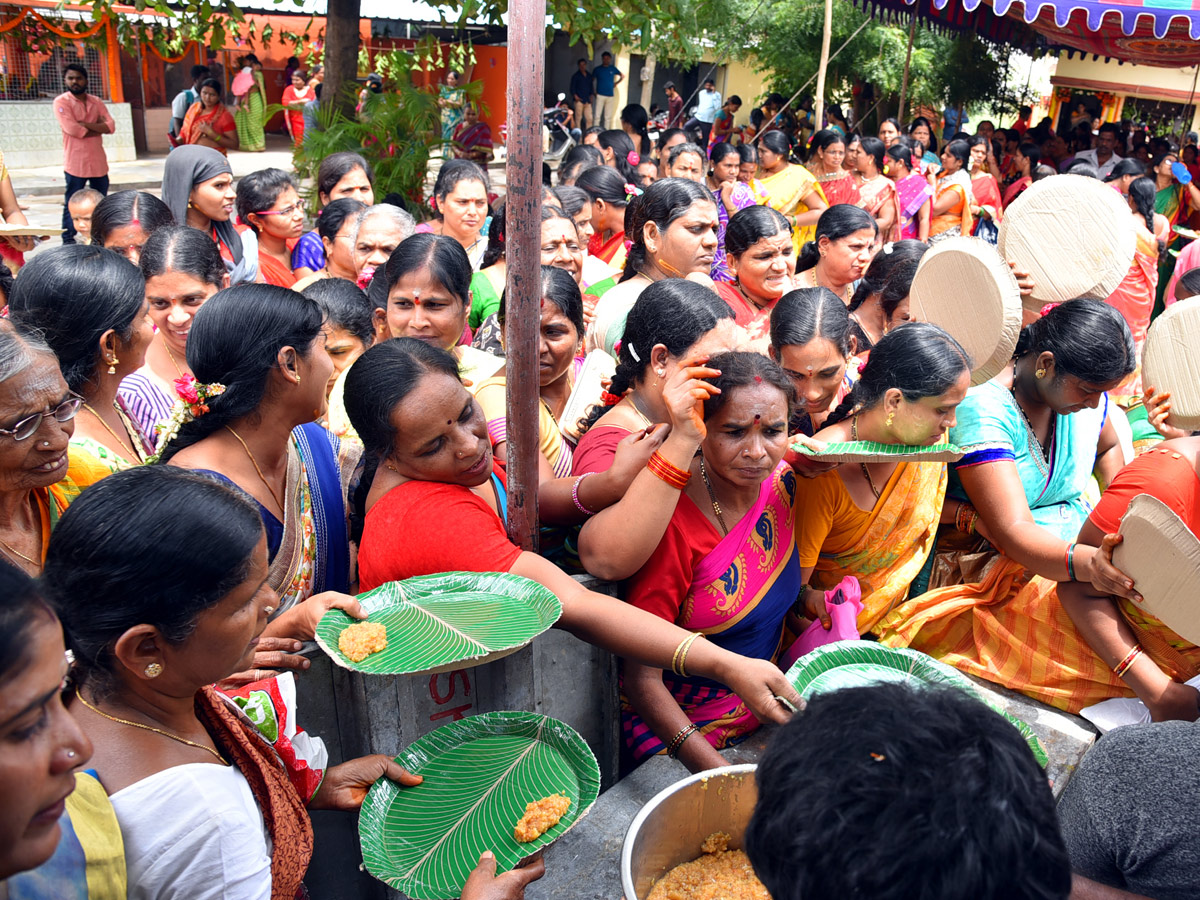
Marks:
<point>37,477</point>
<point>90,305</point>
<point>269,205</point>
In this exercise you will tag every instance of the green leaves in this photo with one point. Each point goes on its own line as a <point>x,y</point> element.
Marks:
<point>451,620</point>
<point>479,775</point>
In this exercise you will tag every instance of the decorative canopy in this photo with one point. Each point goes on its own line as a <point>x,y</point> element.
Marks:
<point>1148,32</point>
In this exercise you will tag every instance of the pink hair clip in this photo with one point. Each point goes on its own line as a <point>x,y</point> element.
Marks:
<point>632,158</point>
<point>1046,309</point>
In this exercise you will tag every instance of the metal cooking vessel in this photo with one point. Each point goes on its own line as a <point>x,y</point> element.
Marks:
<point>670,828</point>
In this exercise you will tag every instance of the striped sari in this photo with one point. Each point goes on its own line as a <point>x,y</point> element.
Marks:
<point>735,590</point>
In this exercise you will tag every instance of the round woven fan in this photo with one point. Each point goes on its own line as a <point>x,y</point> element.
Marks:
<point>1073,234</point>
<point>966,288</point>
<point>1170,362</point>
<point>480,773</point>
<point>436,623</point>
<point>1162,556</point>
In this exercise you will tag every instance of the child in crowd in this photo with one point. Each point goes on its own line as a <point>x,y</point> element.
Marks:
<point>80,205</point>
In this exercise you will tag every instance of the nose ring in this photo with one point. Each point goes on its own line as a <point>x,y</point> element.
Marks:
<point>71,754</point>
<point>45,443</point>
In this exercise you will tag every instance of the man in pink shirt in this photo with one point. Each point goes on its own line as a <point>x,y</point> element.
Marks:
<point>83,120</point>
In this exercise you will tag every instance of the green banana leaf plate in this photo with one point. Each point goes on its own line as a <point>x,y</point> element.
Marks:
<point>479,773</point>
<point>845,664</point>
<point>436,623</point>
<point>873,451</point>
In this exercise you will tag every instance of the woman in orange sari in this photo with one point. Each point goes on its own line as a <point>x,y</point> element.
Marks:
<point>1152,660</point>
<point>877,522</point>
<point>295,95</point>
<point>952,198</point>
<point>1034,436</point>
<point>878,192</point>
<point>1134,296</point>
<point>208,122</point>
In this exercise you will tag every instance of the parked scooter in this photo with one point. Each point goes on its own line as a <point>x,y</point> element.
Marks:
<point>557,138</point>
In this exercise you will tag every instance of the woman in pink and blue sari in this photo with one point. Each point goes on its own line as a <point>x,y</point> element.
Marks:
<point>726,567</point>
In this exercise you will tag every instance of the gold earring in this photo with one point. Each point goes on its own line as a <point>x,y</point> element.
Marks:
<point>891,417</point>
<point>154,670</point>
<point>297,379</point>
<point>112,366</point>
<point>1040,373</point>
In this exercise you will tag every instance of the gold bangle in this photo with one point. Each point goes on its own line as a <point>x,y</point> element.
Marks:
<point>680,655</point>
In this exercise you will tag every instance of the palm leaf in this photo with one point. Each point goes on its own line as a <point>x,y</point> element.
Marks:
<point>479,774</point>
<point>873,451</point>
<point>440,622</point>
<point>845,664</point>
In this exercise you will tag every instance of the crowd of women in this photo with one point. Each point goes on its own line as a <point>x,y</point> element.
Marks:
<point>291,416</point>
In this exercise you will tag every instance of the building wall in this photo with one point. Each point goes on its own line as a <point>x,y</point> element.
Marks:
<point>33,139</point>
<point>1128,80</point>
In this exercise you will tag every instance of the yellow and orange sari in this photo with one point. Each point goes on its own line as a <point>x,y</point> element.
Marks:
<point>885,548</point>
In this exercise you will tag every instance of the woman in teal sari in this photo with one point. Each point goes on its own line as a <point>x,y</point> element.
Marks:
<point>726,567</point>
<point>451,99</point>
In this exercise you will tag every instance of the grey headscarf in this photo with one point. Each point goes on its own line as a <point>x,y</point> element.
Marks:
<point>188,166</point>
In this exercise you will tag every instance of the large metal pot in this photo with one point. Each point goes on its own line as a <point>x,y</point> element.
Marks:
<point>670,828</point>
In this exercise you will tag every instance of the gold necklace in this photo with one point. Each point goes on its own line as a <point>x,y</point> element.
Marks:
<point>844,295</point>
<point>171,356</point>
<point>33,562</point>
<point>712,496</point>
<point>165,734</point>
<point>115,436</point>
<point>261,476</point>
<point>866,472</point>
<point>641,415</point>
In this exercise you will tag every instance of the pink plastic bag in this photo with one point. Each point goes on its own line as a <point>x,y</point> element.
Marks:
<point>844,603</point>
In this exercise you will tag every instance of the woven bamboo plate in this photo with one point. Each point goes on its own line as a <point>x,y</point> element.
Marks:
<point>845,664</point>
<point>436,623</point>
<point>1170,362</point>
<point>873,451</point>
<point>1162,556</point>
<point>479,774</point>
<point>966,288</point>
<point>1073,234</point>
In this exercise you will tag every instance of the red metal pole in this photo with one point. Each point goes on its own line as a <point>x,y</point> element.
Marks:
<point>523,172</point>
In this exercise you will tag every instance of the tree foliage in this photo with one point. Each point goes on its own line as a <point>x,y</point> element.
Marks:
<point>944,70</point>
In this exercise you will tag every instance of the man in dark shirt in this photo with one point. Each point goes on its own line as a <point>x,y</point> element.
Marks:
<point>582,95</point>
<point>674,105</point>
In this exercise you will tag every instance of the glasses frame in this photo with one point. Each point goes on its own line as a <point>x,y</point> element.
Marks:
<point>72,403</point>
<point>286,211</point>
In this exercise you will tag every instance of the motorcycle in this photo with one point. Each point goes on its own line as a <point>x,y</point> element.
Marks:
<point>557,140</point>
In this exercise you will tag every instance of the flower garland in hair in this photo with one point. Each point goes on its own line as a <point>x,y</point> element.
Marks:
<point>192,403</point>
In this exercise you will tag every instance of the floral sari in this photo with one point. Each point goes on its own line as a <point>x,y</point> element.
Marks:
<point>734,590</point>
<point>741,198</point>
<point>1134,300</point>
<point>912,192</point>
<point>786,191</point>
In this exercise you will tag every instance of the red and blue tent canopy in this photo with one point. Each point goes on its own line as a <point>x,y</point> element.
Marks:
<point>1147,32</point>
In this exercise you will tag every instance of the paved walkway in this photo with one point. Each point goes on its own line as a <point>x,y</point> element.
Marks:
<point>146,172</point>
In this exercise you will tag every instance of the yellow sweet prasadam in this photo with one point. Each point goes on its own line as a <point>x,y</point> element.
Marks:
<point>540,816</point>
<point>718,874</point>
<point>362,639</point>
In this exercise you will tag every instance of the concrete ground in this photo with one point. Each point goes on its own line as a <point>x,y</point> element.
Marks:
<point>41,189</point>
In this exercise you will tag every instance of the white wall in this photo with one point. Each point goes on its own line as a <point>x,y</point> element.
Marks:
<point>33,139</point>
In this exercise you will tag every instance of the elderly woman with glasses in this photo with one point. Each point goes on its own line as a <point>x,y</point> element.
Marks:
<point>37,477</point>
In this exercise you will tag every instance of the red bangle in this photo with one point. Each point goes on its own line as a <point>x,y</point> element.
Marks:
<point>1123,666</point>
<point>668,471</point>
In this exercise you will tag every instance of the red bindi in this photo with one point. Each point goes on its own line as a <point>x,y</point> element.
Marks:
<point>757,380</point>
<point>757,418</point>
